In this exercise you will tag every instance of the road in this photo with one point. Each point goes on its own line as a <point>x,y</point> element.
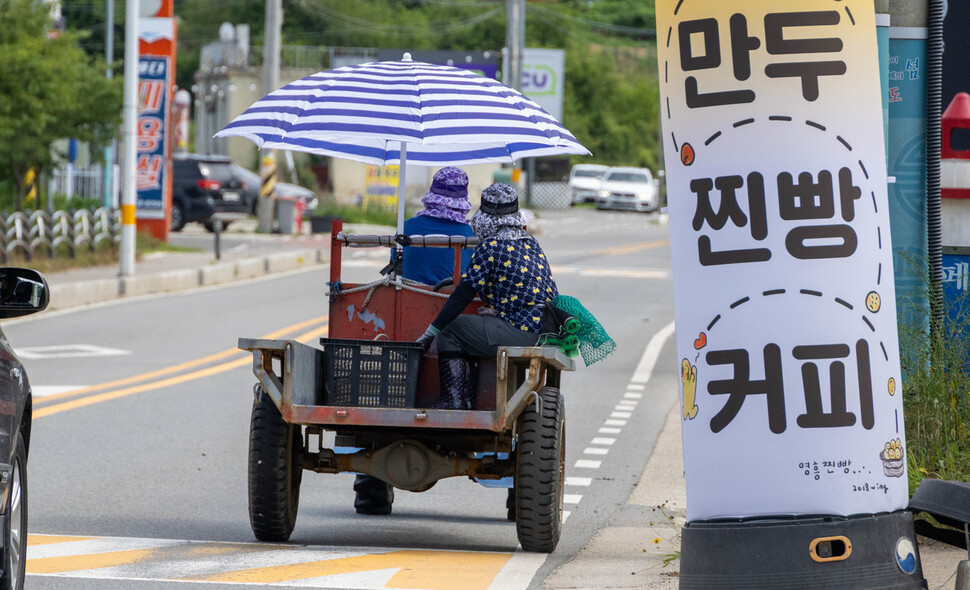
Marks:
<point>137,469</point>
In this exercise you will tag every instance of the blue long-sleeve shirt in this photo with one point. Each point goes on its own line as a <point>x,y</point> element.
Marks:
<point>431,265</point>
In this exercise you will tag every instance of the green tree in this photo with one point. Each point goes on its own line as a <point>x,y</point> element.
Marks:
<point>612,111</point>
<point>49,89</point>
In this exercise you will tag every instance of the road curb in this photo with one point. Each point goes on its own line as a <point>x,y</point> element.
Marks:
<point>79,293</point>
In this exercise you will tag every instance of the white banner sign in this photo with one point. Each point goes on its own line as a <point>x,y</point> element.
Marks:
<point>783,276</point>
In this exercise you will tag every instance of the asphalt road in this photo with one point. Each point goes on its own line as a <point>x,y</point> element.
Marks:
<point>151,452</point>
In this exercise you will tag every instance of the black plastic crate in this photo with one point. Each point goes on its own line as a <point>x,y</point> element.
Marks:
<point>370,373</point>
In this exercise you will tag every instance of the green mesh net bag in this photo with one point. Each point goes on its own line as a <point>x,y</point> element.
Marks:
<point>583,332</point>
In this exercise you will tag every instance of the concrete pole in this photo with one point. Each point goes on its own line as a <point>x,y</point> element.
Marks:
<point>130,121</point>
<point>271,81</point>
<point>514,39</point>
<point>109,150</point>
<point>514,44</point>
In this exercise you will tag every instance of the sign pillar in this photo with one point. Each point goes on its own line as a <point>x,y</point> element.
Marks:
<point>783,276</point>
<point>156,74</point>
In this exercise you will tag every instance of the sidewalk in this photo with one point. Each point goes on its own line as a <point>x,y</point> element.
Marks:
<point>163,272</point>
<point>630,551</point>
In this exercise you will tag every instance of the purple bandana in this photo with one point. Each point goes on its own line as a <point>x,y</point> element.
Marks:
<point>448,196</point>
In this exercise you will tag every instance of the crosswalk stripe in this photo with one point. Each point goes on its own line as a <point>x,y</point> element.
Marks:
<point>38,540</point>
<point>252,563</point>
<point>440,570</point>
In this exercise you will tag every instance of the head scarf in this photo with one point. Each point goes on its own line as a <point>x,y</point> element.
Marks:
<point>498,216</point>
<point>448,196</point>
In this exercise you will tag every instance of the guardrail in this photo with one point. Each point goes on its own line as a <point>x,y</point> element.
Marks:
<point>62,233</point>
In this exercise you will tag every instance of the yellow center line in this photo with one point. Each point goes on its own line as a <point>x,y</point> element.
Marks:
<point>214,370</point>
<point>630,248</point>
<point>177,368</point>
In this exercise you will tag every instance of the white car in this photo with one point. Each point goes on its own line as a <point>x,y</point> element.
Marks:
<point>633,189</point>
<point>584,182</point>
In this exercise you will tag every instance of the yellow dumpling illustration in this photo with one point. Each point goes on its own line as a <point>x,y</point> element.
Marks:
<point>873,301</point>
<point>688,374</point>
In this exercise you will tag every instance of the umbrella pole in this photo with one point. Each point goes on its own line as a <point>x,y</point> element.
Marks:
<point>401,183</point>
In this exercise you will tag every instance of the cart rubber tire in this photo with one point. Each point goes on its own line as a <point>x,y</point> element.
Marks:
<point>274,471</point>
<point>540,472</point>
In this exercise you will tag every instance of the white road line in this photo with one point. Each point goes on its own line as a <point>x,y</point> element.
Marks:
<point>627,403</point>
<point>621,415</point>
<point>58,351</point>
<point>649,359</point>
<point>565,515</point>
<point>636,386</point>
<point>571,498</point>
<point>606,430</point>
<point>579,481</point>
<point>520,570</point>
<point>595,451</point>
<point>602,441</point>
<point>45,390</point>
<point>614,422</point>
<point>587,464</point>
<point>631,395</point>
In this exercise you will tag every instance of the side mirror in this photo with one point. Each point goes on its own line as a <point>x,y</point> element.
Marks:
<point>23,291</point>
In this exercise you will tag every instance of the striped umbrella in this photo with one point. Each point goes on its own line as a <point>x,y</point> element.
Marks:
<point>404,111</point>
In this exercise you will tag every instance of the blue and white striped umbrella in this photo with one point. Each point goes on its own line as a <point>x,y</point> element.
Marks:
<point>439,115</point>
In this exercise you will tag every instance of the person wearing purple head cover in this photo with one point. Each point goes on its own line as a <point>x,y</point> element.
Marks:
<point>445,206</point>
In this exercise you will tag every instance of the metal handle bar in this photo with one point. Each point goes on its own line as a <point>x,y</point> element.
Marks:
<point>386,240</point>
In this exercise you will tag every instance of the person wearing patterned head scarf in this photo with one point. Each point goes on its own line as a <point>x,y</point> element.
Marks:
<point>446,205</point>
<point>510,273</point>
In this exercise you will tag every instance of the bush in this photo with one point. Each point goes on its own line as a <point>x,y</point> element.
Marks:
<point>353,214</point>
<point>936,397</point>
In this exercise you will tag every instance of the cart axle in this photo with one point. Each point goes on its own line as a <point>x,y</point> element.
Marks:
<point>407,465</point>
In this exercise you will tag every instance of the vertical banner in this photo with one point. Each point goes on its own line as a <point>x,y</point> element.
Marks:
<point>156,75</point>
<point>783,269</point>
<point>153,83</point>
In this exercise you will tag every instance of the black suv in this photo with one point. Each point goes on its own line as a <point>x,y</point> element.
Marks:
<point>22,292</point>
<point>202,186</point>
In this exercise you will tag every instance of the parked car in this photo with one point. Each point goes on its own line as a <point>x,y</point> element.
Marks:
<point>23,291</point>
<point>584,182</point>
<point>203,185</point>
<point>628,188</point>
<point>252,182</point>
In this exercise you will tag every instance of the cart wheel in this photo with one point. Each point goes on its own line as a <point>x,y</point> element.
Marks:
<point>540,472</point>
<point>274,471</point>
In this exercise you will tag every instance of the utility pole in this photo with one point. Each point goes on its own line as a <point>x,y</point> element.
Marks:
<point>109,150</point>
<point>271,81</point>
<point>514,41</point>
<point>130,121</point>
<point>512,68</point>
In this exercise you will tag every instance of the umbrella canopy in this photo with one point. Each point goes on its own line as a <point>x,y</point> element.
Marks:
<point>441,115</point>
